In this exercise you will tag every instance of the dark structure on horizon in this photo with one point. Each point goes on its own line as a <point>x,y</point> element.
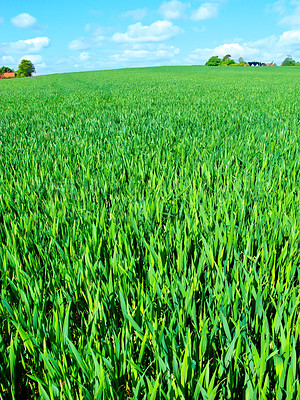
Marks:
<point>255,64</point>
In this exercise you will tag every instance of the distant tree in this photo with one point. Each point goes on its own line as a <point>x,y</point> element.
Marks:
<point>214,61</point>
<point>241,60</point>
<point>227,57</point>
<point>226,61</point>
<point>288,62</point>
<point>242,64</point>
<point>5,69</point>
<point>297,64</point>
<point>26,68</point>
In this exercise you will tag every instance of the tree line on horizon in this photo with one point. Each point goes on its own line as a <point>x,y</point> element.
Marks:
<point>226,61</point>
<point>25,69</point>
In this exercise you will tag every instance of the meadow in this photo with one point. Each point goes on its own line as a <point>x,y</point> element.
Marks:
<point>150,234</point>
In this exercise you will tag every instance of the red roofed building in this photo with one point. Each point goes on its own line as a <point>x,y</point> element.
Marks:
<point>5,75</point>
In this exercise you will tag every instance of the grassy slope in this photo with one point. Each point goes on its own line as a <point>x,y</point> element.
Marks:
<point>149,229</point>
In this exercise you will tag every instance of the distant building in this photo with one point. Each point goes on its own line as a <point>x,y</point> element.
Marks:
<point>260,64</point>
<point>6,75</point>
<point>254,64</point>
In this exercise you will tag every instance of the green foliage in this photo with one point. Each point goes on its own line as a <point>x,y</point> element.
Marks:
<point>149,235</point>
<point>226,63</point>
<point>214,61</point>
<point>5,69</point>
<point>237,64</point>
<point>288,62</point>
<point>226,58</point>
<point>25,69</point>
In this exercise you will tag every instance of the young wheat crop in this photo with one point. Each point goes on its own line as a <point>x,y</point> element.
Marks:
<point>150,235</point>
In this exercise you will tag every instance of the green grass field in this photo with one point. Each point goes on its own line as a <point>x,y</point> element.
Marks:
<point>150,235</point>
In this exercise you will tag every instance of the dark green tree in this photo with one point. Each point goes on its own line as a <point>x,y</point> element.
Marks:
<point>214,61</point>
<point>288,62</point>
<point>26,68</point>
<point>227,60</point>
<point>227,57</point>
<point>5,69</point>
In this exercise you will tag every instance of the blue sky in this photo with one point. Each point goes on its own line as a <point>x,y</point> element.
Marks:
<point>60,36</point>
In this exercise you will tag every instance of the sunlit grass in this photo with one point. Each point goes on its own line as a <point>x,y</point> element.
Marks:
<point>149,230</point>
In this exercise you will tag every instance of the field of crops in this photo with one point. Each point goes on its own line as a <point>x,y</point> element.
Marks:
<point>150,235</point>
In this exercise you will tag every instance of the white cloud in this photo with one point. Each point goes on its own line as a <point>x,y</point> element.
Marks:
<point>41,65</point>
<point>173,9</point>
<point>293,18</point>
<point>290,38</point>
<point>7,60</point>
<point>236,50</point>
<point>265,42</point>
<point>81,43</point>
<point>85,43</point>
<point>159,53</point>
<point>24,20</point>
<point>84,56</point>
<point>278,7</point>
<point>34,45</point>
<point>206,11</point>
<point>94,39</point>
<point>156,32</point>
<point>272,48</point>
<point>96,30</point>
<point>287,43</point>
<point>137,15</point>
<point>34,58</point>
<point>289,12</point>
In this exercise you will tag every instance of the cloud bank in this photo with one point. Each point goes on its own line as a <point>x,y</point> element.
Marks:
<point>272,48</point>
<point>159,31</point>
